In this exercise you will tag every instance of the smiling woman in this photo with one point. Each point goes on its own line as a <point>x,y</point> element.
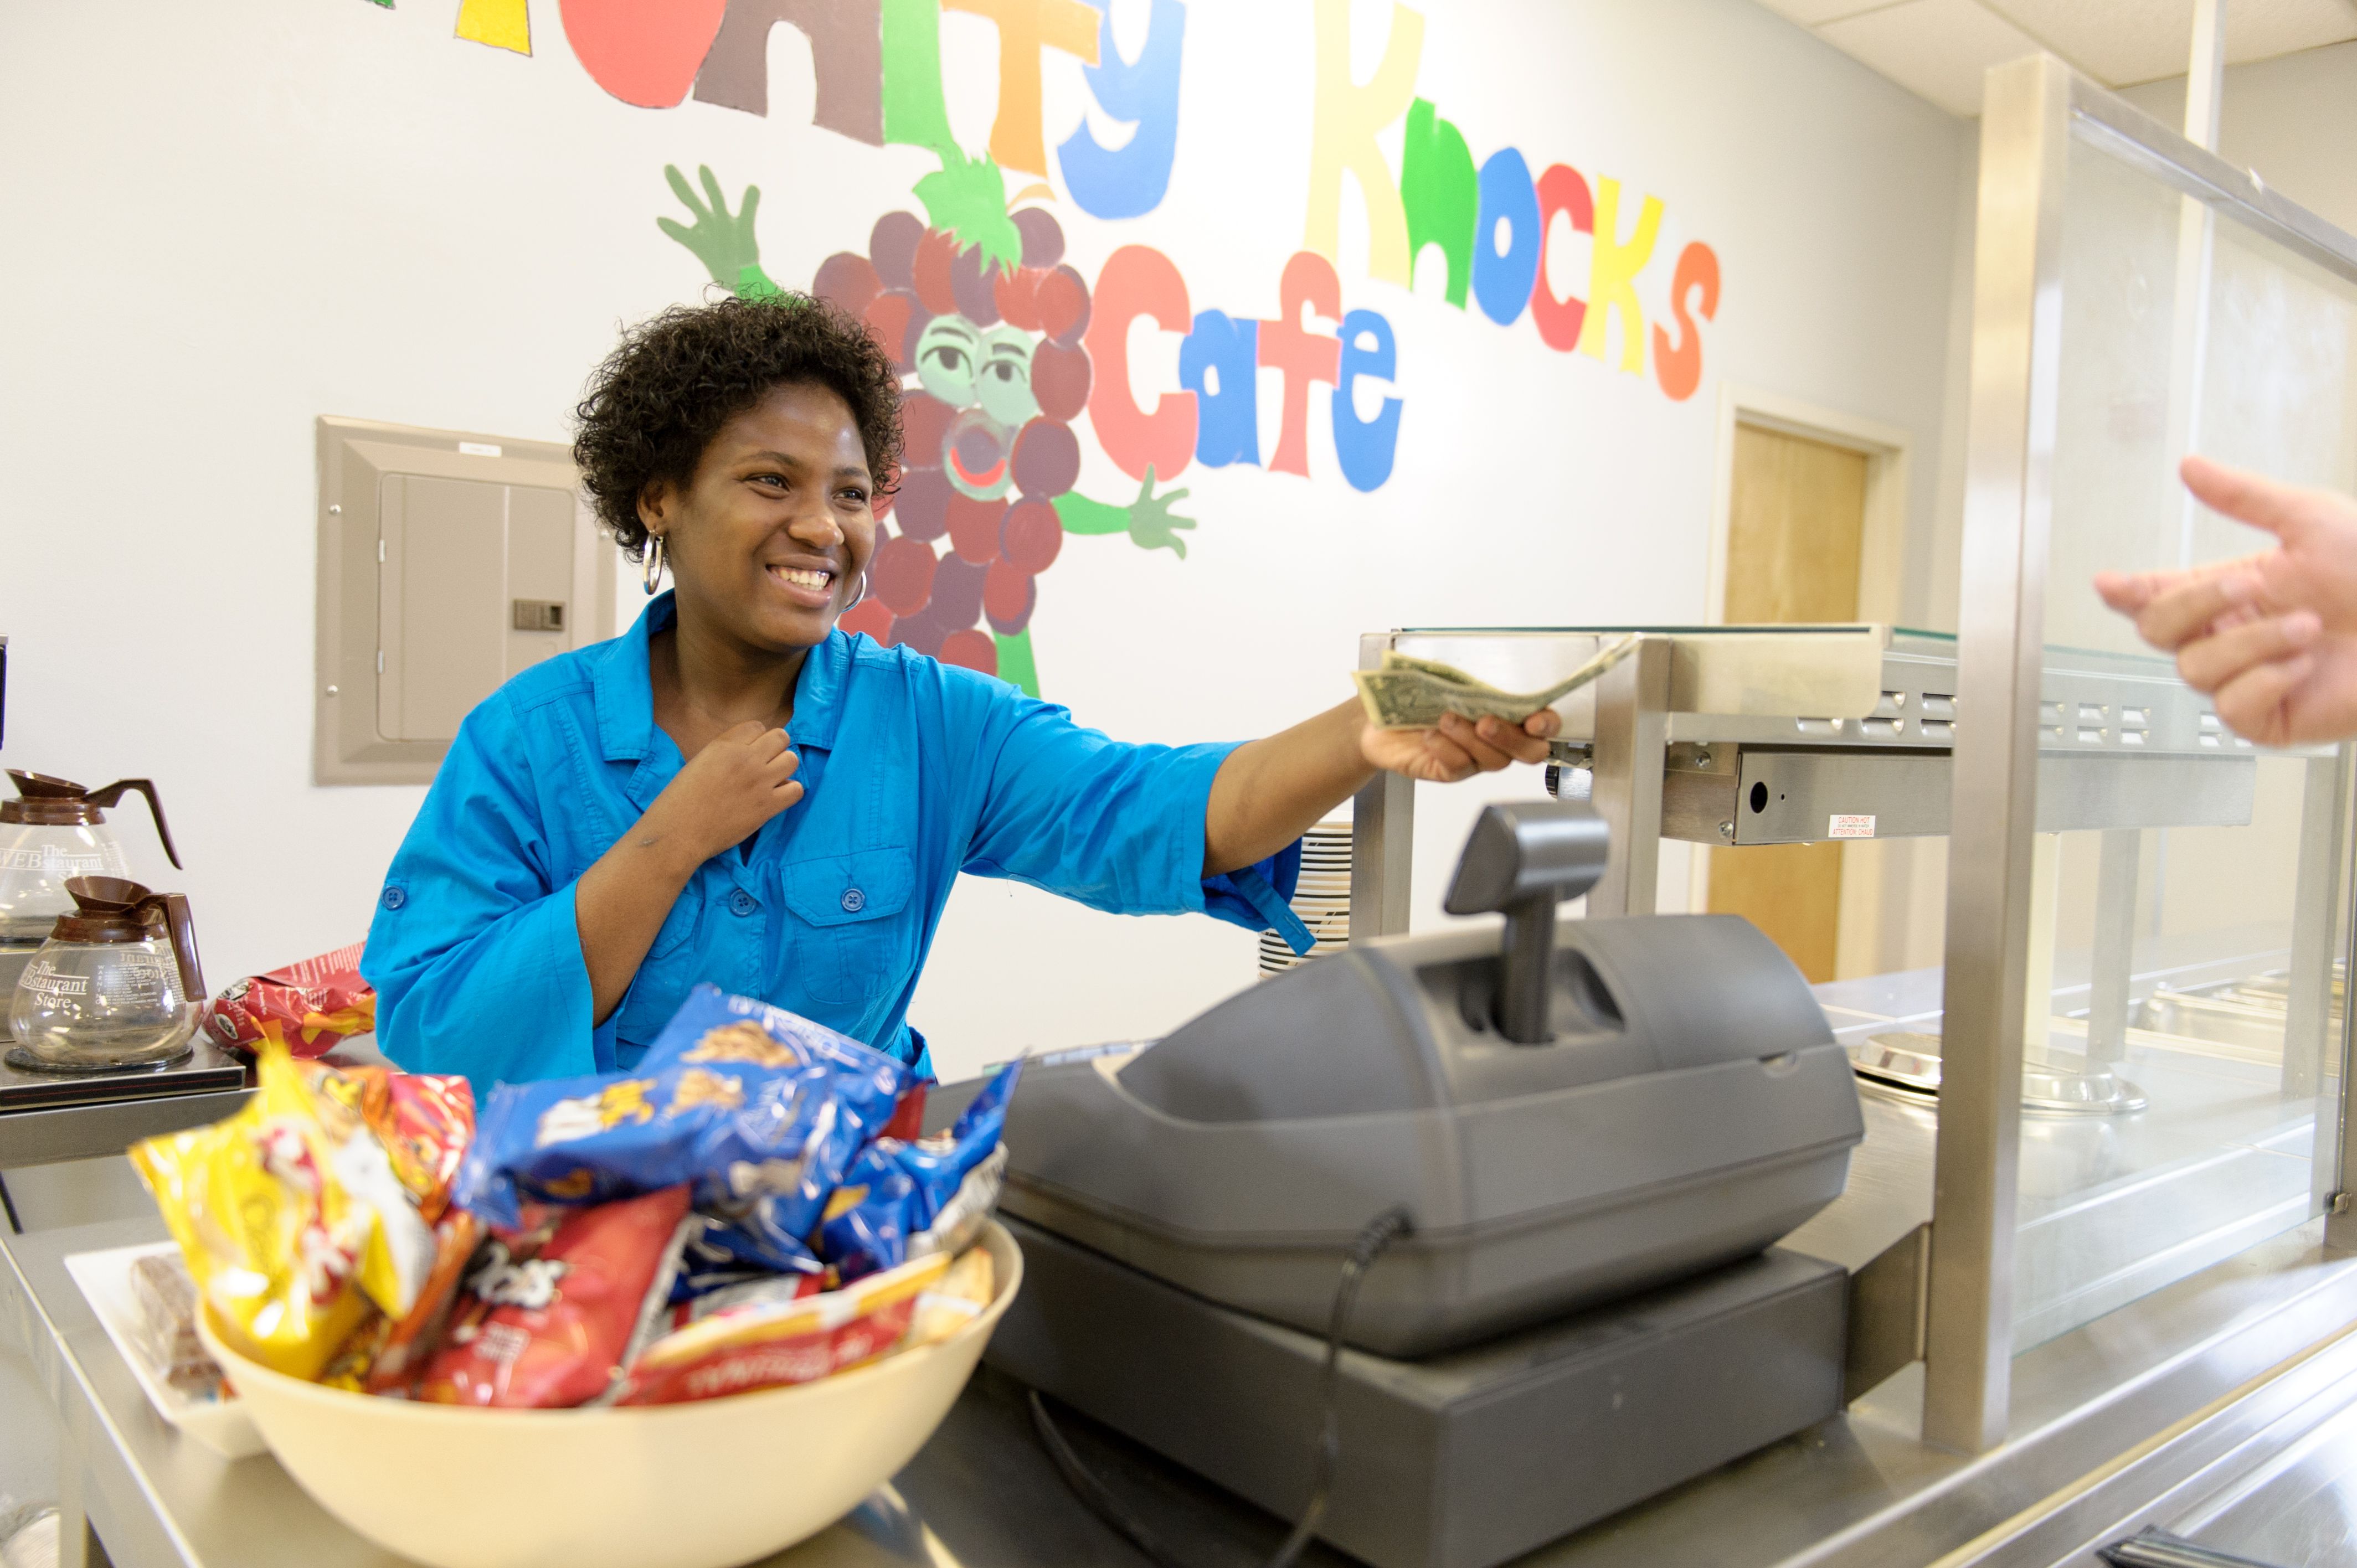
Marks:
<point>739,791</point>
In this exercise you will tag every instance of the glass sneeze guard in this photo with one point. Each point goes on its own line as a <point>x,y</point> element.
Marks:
<point>2132,305</point>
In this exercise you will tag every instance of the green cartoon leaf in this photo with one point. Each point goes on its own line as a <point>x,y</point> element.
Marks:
<point>967,199</point>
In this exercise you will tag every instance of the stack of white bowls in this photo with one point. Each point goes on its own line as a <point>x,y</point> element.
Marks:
<point>1322,899</point>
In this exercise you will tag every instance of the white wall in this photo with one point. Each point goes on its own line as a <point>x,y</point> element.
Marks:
<point>223,221</point>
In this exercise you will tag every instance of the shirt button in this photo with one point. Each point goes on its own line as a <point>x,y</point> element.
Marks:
<point>853,900</point>
<point>744,903</point>
<point>395,898</point>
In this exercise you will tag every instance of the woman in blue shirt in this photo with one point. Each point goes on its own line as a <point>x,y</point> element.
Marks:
<point>736,791</point>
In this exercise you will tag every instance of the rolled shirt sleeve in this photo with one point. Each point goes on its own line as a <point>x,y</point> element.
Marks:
<point>483,974</point>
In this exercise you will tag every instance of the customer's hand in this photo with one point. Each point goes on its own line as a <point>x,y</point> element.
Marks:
<point>1458,748</point>
<point>740,780</point>
<point>2271,638</point>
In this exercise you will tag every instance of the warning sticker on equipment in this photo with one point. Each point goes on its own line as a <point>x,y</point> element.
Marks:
<point>1840,827</point>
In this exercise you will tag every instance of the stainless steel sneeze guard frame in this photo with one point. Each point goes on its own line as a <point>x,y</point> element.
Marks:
<point>1991,737</point>
<point>2035,111</point>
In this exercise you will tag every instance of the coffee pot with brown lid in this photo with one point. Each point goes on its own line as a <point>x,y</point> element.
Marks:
<point>117,983</point>
<point>55,829</point>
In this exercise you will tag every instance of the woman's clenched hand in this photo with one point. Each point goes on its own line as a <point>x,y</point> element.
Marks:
<point>741,778</point>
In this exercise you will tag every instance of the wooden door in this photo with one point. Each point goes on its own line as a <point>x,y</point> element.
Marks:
<point>1795,522</point>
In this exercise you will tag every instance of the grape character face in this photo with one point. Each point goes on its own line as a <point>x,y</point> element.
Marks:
<point>962,365</point>
<point>986,377</point>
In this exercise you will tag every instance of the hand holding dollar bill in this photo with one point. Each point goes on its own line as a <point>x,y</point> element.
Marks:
<point>1412,694</point>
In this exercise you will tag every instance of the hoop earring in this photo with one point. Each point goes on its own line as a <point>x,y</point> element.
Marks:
<point>654,565</point>
<point>857,597</point>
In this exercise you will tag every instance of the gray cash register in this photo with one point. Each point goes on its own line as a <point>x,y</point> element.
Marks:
<point>1586,1137</point>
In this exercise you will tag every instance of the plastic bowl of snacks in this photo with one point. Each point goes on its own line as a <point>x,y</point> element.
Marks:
<point>704,1483</point>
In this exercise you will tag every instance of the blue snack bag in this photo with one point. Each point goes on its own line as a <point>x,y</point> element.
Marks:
<point>761,1110</point>
<point>901,1200</point>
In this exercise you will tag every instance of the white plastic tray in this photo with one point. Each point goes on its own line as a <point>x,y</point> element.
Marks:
<point>219,1425</point>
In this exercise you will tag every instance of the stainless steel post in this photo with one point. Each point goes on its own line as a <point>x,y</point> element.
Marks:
<point>2309,986</point>
<point>2016,366</point>
<point>1632,729</point>
<point>2113,963</point>
<point>2336,1127</point>
<point>1382,837</point>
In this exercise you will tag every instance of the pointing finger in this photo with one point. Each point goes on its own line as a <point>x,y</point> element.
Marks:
<point>2244,496</point>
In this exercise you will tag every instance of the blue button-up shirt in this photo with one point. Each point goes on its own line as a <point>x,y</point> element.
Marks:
<point>912,770</point>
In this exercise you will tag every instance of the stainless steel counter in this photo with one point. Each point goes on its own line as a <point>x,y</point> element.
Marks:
<point>1857,1490</point>
<point>981,1495</point>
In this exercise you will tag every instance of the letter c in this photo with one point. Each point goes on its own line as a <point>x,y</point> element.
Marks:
<point>1137,280</point>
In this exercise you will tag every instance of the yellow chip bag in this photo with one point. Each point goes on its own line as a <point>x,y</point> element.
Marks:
<point>290,1217</point>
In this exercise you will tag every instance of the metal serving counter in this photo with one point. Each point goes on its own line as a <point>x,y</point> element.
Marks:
<point>1857,1490</point>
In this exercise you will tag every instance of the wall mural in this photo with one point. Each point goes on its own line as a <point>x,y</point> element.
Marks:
<point>1005,344</point>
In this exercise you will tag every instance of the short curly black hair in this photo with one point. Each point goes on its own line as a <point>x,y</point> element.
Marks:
<point>676,378</point>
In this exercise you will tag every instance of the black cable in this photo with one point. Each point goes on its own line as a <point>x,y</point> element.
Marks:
<point>1093,1492</point>
<point>1380,1233</point>
<point>9,1204</point>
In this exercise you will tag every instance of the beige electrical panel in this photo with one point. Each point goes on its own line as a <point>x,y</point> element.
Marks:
<point>447,564</point>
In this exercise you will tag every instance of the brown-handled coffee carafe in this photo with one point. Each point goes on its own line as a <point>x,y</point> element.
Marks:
<point>117,983</point>
<point>55,829</point>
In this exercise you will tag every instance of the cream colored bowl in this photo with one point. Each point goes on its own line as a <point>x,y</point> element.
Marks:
<point>704,1485</point>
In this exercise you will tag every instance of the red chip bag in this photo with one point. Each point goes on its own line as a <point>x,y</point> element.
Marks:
<point>548,1330</point>
<point>309,1006</point>
<point>741,1348</point>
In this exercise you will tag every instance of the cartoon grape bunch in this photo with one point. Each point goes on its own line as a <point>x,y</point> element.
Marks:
<point>979,307</point>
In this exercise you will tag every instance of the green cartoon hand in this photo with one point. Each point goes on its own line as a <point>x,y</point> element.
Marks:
<point>725,244</point>
<point>1151,525</point>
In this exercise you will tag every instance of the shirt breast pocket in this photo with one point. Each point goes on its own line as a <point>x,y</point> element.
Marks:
<point>664,976</point>
<point>853,940</point>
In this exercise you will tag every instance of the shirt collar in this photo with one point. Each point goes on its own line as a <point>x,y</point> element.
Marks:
<point>818,694</point>
<point>625,689</point>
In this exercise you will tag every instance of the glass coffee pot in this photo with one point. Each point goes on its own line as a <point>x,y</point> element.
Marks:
<point>54,830</point>
<point>117,984</point>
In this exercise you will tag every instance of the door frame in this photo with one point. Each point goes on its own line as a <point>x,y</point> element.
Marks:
<point>1882,538</point>
<point>1881,576</point>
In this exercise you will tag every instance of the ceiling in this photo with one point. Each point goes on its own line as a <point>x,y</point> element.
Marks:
<point>1940,48</point>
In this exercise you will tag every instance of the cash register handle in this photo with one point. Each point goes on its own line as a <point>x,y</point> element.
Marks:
<point>1523,860</point>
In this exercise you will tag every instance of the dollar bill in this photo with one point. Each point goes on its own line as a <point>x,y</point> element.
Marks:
<point>1395,660</point>
<point>1412,694</point>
